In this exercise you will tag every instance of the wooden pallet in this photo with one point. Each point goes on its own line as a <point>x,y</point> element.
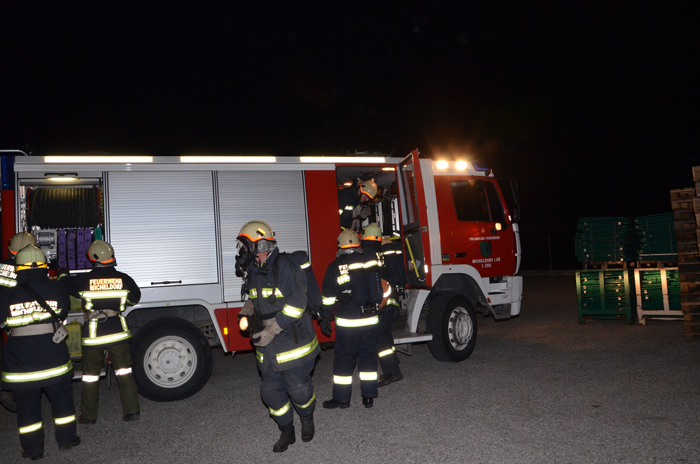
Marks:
<point>692,330</point>
<point>606,265</point>
<point>685,194</point>
<point>654,264</point>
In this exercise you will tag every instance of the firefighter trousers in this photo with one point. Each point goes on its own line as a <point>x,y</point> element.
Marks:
<point>93,360</point>
<point>283,390</point>
<point>355,345</point>
<point>388,358</point>
<point>30,419</point>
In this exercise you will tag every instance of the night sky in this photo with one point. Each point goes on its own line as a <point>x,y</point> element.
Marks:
<point>589,105</point>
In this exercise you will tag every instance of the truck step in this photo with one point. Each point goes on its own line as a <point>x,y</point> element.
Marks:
<point>403,337</point>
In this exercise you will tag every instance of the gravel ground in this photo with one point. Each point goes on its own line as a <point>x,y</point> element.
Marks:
<point>540,388</point>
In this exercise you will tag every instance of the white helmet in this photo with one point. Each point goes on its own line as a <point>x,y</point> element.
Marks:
<point>101,252</point>
<point>260,235</point>
<point>19,241</point>
<point>348,239</point>
<point>30,257</point>
<point>369,188</point>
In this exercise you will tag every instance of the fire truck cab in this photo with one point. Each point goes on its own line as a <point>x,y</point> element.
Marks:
<point>173,222</point>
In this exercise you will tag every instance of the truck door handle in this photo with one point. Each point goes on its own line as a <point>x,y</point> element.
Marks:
<point>166,282</point>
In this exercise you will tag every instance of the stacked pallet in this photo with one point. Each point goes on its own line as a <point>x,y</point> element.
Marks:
<point>605,239</point>
<point>686,227</point>
<point>603,294</point>
<point>656,238</point>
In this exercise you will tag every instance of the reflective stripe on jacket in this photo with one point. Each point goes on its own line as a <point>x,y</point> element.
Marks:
<point>286,302</point>
<point>103,288</point>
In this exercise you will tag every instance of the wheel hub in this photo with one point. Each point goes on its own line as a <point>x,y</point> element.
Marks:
<point>171,362</point>
<point>460,328</point>
<point>169,359</point>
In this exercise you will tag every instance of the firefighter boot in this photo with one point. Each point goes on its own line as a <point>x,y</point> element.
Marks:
<point>307,428</point>
<point>286,438</point>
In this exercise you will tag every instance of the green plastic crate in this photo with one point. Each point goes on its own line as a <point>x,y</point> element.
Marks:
<point>603,294</point>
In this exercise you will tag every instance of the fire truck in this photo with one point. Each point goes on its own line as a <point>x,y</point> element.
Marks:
<point>173,222</point>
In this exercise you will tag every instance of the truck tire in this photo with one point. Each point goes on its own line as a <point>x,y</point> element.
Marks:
<point>453,326</point>
<point>172,359</point>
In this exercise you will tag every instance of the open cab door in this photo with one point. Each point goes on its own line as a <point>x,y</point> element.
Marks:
<point>414,220</point>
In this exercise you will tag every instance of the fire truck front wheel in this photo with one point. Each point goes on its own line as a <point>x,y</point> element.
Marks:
<point>172,359</point>
<point>452,323</point>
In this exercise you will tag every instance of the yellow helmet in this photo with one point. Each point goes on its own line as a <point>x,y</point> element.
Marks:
<point>369,188</point>
<point>101,252</point>
<point>30,257</point>
<point>372,232</point>
<point>20,241</point>
<point>348,239</point>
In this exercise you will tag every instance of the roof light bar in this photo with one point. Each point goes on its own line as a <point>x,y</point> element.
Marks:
<point>342,159</point>
<point>98,159</point>
<point>228,159</point>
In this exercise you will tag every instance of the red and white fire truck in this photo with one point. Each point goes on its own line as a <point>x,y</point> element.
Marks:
<point>173,223</point>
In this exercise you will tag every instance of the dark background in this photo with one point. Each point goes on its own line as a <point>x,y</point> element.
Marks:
<point>589,105</point>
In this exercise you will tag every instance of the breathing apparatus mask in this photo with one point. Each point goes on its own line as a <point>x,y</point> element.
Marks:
<point>245,256</point>
<point>247,251</point>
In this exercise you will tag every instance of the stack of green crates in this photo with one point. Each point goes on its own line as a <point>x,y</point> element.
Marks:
<point>605,239</point>
<point>603,294</point>
<point>656,237</point>
<point>651,290</point>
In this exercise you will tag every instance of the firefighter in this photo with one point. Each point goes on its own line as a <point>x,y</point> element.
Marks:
<point>391,275</point>
<point>33,310</point>
<point>352,204</point>
<point>353,287</point>
<point>8,280</point>
<point>105,294</point>
<point>285,342</point>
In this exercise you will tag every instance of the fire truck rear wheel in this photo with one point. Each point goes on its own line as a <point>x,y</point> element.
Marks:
<point>453,326</point>
<point>172,359</point>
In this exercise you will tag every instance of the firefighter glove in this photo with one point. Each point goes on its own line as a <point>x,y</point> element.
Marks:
<point>264,337</point>
<point>326,328</point>
<point>247,309</point>
<point>365,212</point>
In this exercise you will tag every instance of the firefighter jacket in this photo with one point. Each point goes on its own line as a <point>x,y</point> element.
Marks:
<point>32,360</point>
<point>8,278</point>
<point>348,200</point>
<point>285,301</point>
<point>313,292</point>
<point>352,285</point>
<point>392,253</point>
<point>105,294</point>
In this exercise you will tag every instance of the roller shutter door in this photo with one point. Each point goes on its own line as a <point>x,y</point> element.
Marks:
<point>162,226</point>
<point>276,197</point>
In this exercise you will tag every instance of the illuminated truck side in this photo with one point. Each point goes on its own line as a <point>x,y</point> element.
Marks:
<point>173,222</point>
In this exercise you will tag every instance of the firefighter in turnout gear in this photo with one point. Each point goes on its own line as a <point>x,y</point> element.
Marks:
<point>105,294</point>
<point>352,286</point>
<point>394,279</point>
<point>8,279</point>
<point>352,204</point>
<point>33,310</point>
<point>285,342</point>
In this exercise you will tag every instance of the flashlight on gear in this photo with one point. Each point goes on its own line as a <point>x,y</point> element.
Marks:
<point>243,323</point>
